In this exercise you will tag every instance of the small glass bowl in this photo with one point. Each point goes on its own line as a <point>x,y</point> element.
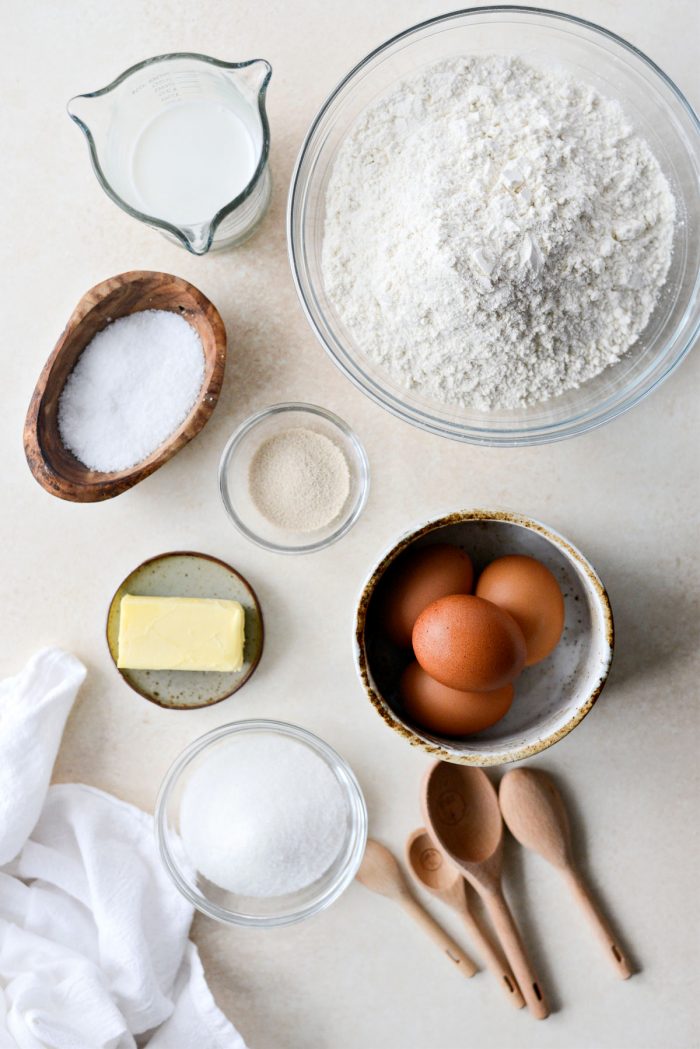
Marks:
<point>235,464</point>
<point>259,911</point>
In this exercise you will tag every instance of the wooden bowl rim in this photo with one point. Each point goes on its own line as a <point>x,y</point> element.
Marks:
<point>109,485</point>
<point>251,669</point>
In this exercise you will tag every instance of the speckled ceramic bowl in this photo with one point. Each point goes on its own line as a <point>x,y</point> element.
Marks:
<point>553,696</point>
<point>184,573</point>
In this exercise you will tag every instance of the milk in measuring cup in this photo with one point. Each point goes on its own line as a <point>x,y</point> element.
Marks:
<point>177,138</point>
<point>191,159</point>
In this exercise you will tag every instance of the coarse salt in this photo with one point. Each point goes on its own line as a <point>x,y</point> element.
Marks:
<point>133,385</point>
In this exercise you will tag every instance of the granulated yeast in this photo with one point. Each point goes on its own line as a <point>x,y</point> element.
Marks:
<point>495,234</point>
<point>299,480</point>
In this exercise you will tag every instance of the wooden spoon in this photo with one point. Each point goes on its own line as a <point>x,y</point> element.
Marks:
<point>535,815</point>
<point>431,870</point>
<point>53,466</point>
<point>460,807</point>
<point>380,872</point>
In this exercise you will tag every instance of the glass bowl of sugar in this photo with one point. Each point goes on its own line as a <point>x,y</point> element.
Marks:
<point>261,823</point>
<point>294,478</point>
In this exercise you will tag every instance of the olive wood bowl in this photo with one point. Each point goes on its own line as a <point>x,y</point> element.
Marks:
<point>54,467</point>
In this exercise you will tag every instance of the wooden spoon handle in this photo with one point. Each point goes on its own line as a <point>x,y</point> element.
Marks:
<point>494,958</point>
<point>438,935</point>
<point>598,923</point>
<point>512,944</point>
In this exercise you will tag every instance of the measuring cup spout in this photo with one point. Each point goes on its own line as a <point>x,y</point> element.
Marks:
<point>198,238</point>
<point>253,76</point>
<point>91,114</point>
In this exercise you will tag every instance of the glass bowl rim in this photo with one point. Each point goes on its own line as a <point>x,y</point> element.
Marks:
<point>328,416</point>
<point>582,421</point>
<point>354,794</point>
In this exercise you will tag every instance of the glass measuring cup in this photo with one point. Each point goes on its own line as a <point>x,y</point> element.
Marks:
<point>181,142</point>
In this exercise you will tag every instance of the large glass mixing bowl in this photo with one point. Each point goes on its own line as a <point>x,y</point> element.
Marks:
<point>652,103</point>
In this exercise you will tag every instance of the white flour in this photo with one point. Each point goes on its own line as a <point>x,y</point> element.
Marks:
<point>495,234</point>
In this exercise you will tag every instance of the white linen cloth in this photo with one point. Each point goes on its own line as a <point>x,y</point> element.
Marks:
<point>94,950</point>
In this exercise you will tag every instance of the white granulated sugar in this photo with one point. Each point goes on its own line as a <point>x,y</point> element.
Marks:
<point>299,479</point>
<point>495,234</point>
<point>131,388</point>
<point>263,816</point>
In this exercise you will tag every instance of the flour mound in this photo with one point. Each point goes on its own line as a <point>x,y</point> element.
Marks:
<point>495,234</point>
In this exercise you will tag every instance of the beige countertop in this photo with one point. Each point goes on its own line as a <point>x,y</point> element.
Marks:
<point>359,976</point>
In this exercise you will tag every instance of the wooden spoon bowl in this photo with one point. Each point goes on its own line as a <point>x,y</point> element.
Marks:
<point>54,467</point>
<point>380,873</point>
<point>536,816</point>
<point>465,807</point>
<point>462,816</point>
<point>431,870</point>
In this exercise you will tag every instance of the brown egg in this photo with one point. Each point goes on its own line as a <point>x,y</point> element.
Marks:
<point>446,711</point>
<point>417,578</point>
<point>530,593</point>
<point>469,644</point>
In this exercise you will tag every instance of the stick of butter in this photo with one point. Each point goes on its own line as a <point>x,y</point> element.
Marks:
<point>180,633</point>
